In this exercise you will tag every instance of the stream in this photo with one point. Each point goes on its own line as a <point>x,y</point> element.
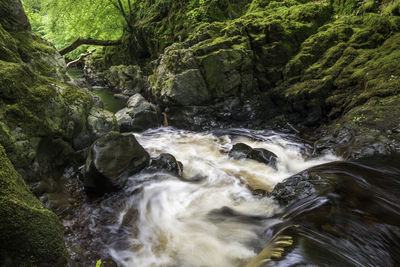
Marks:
<point>210,217</point>
<point>230,212</point>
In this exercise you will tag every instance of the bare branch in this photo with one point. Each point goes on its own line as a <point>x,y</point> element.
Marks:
<point>88,41</point>
<point>82,56</point>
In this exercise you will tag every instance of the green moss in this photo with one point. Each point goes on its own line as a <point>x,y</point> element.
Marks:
<point>14,80</point>
<point>8,48</point>
<point>30,234</point>
<point>343,65</point>
<point>30,45</point>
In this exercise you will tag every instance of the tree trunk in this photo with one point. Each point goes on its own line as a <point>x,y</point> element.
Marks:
<point>89,41</point>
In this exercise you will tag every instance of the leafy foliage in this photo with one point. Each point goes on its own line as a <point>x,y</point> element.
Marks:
<point>63,21</point>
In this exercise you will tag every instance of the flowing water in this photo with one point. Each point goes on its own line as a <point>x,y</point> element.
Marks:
<point>210,217</point>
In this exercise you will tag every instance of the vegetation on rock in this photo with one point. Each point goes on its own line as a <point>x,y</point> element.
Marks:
<point>30,234</point>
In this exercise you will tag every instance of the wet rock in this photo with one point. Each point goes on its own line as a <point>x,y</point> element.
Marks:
<point>121,96</point>
<point>194,118</point>
<point>112,159</point>
<point>298,187</point>
<point>355,142</point>
<point>100,122</point>
<point>108,263</point>
<point>129,79</point>
<point>166,162</point>
<point>139,115</point>
<point>241,151</point>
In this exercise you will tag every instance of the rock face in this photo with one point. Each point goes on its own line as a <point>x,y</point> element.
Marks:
<point>300,61</point>
<point>128,79</point>
<point>30,234</point>
<point>178,79</point>
<point>139,115</point>
<point>166,162</point>
<point>205,74</point>
<point>112,159</point>
<point>241,151</point>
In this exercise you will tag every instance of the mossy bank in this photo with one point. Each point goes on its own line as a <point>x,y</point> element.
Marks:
<point>43,124</point>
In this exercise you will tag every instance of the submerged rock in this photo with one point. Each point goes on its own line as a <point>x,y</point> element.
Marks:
<point>242,151</point>
<point>139,115</point>
<point>112,159</point>
<point>166,162</point>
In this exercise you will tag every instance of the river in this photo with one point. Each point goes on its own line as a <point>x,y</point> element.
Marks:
<point>221,212</point>
<point>213,216</point>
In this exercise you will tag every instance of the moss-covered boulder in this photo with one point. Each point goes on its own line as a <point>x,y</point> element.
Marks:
<point>12,16</point>
<point>128,79</point>
<point>30,234</point>
<point>178,80</point>
<point>237,58</point>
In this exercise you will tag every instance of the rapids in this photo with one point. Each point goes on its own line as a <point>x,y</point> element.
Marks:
<point>210,217</point>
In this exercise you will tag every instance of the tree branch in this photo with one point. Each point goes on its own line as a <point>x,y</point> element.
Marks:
<point>80,41</point>
<point>121,9</point>
<point>82,56</point>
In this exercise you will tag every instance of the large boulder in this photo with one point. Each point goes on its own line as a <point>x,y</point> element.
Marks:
<point>129,79</point>
<point>139,115</point>
<point>112,159</point>
<point>243,151</point>
<point>30,234</point>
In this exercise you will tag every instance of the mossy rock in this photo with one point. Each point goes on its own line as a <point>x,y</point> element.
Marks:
<point>30,234</point>
<point>12,16</point>
<point>8,47</point>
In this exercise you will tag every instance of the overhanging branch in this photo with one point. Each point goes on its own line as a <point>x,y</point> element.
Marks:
<point>89,41</point>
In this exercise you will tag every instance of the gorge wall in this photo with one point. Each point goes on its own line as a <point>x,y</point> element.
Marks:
<point>331,65</point>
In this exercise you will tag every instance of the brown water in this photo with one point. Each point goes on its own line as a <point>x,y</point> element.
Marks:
<point>211,217</point>
<point>160,220</point>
